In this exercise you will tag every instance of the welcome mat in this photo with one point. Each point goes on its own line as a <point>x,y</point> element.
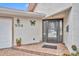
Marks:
<point>49,46</point>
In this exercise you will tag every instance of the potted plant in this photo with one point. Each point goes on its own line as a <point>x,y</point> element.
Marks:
<point>32,22</point>
<point>18,42</point>
<point>74,48</point>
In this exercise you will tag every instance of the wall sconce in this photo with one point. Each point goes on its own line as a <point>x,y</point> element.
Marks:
<point>18,21</point>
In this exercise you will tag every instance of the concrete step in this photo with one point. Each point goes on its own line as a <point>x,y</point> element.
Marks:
<point>35,52</point>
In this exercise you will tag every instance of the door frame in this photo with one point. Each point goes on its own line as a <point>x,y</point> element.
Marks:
<point>51,20</point>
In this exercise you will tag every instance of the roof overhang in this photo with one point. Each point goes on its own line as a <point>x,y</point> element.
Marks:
<point>14,12</point>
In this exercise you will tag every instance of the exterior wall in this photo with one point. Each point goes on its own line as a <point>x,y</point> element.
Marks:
<point>72,37</point>
<point>68,35</point>
<point>51,8</point>
<point>28,31</point>
<point>76,24</point>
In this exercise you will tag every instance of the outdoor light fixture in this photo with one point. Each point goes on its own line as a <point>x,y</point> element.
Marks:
<point>18,21</point>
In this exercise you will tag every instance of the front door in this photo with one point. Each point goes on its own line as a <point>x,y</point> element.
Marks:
<point>52,31</point>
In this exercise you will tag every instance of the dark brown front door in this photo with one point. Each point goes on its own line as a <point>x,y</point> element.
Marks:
<point>52,31</point>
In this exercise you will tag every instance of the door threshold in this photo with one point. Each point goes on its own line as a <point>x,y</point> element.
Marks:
<point>45,43</point>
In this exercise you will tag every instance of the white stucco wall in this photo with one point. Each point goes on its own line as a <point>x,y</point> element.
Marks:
<point>68,36</point>
<point>72,37</point>
<point>51,8</point>
<point>76,24</point>
<point>28,32</point>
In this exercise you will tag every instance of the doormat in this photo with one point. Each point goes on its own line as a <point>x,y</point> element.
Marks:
<point>49,46</point>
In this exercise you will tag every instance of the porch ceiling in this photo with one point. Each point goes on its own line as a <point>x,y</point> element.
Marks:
<point>60,14</point>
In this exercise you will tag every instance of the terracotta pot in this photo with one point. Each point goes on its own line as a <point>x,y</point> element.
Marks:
<point>18,44</point>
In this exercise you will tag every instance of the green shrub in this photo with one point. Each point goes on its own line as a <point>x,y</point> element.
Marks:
<point>18,41</point>
<point>74,47</point>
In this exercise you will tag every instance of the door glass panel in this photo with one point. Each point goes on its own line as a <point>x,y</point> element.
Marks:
<point>52,30</point>
<point>60,27</point>
<point>45,23</point>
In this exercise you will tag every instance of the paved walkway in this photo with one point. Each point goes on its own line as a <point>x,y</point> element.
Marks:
<point>13,52</point>
<point>34,50</point>
<point>37,49</point>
